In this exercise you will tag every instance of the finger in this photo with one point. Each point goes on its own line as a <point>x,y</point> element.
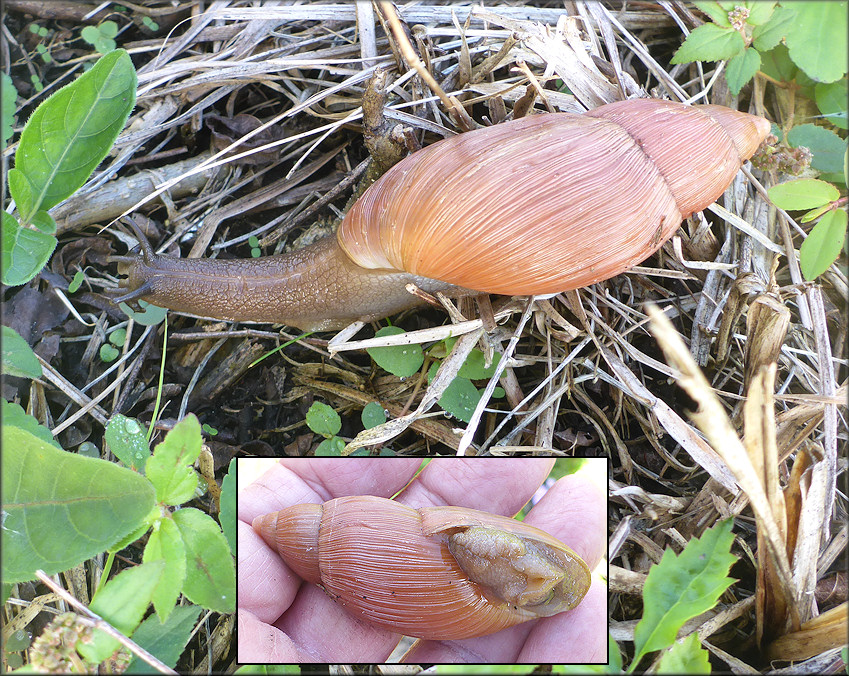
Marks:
<point>574,511</point>
<point>497,485</point>
<point>576,637</point>
<point>266,585</point>
<point>294,481</point>
<point>320,626</point>
<point>260,643</point>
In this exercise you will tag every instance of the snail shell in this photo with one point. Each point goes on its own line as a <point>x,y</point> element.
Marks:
<point>550,203</point>
<point>434,572</point>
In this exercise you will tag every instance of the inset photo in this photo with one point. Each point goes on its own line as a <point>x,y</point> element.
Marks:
<point>450,560</point>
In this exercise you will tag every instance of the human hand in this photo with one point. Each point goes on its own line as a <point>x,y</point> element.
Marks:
<point>283,620</point>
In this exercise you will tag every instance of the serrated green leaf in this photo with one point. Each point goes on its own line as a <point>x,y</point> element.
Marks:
<point>15,416</point>
<point>372,415</point>
<point>24,251</point>
<point>769,34</point>
<point>683,586</point>
<point>227,503</point>
<point>166,544</point>
<point>399,360</point>
<point>831,100</point>
<point>165,640</point>
<point>70,133</point>
<point>823,244</point>
<point>18,358</point>
<point>759,11</point>
<point>323,420</point>
<point>709,42</point>
<point>170,467</point>
<point>826,146</point>
<point>122,602</point>
<point>742,68</point>
<point>715,11</point>
<point>128,441</point>
<point>210,573</point>
<point>685,657</point>
<point>818,39</point>
<point>61,508</point>
<point>802,193</point>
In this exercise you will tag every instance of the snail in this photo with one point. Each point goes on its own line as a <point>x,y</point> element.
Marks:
<point>539,205</point>
<point>434,572</point>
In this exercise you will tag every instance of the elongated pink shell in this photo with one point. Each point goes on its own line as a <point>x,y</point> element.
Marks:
<point>549,203</point>
<point>389,564</point>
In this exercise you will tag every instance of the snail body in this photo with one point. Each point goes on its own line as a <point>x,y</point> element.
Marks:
<point>539,205</point>
<point>434,572</point>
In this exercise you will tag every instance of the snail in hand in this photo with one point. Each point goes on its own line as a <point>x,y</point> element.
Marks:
<point>435,572</point>
<point>539,205</point>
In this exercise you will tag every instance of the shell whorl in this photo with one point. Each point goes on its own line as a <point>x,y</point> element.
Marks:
<point>552,202</point>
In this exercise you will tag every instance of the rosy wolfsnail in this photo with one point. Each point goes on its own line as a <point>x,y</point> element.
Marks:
<point>434,572</point>
<point>539,205</point>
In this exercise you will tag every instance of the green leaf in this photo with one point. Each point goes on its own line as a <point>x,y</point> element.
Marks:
<point>768,35</point>
<point>8,98</point>
<point>108,29</point>
<point>18,358</point>
<point>15,416</point>
<point>44,222</point>
<point>76,282</point>
<point>823,244</point>
<point>709,42</point>
<point>323,420</point>
<point>683,586</point>
<point>373,415</point>
<point>460,398</point>
<point>108,353</point>
<point>831,100</point>
<point>263,669</point>
<point>227,502</point>
<point>474,368</point>
<point>122,602</point>
<point>70,133</point>
<point>61,509</point>
<point>118,337</point>
<point>210,573</point>
<point>166,640</point>
<point>685,657</point>
<point>151,315</point>
<point>759,11</point>
<point>818,39</point>
<point>399,360</point>
<point>826,146</point>
<point>166,544</point>
<point>128,441</point>
<point>802,193</point>
<point>331,447</point>
<point>170,467</point>
<point>25,252</point>
<point>715,11</point>
<point>777,64</point>
<point>741,69</point>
